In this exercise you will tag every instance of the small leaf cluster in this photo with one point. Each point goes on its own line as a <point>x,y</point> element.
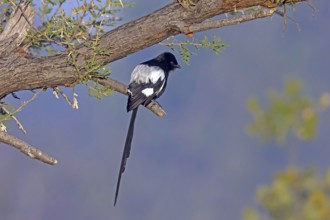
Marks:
<point>185,47</point>
<point>83,24</point>
<point>95,89</point>
<point>293,195</point>
<point>66,29</point>
<point>284,114</point>
<point>98,91</point>
<point>5,114</point>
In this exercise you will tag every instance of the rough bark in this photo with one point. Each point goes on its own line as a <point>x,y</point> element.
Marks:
<point>21,72</point>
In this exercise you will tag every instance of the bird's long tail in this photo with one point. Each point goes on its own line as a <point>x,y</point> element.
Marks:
<point>126,151</point>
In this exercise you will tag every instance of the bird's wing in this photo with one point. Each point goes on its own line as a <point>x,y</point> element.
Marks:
<point>144,74</point>
<point>143,93</point>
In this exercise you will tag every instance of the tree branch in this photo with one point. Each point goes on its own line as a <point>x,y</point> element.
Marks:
<point>121,88</point>
<point>19,72</point>
<point>211,24</point>
<point>19,124</point>
<point>26,149</point>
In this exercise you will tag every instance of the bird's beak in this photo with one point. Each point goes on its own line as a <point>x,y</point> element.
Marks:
<point>178,66</point>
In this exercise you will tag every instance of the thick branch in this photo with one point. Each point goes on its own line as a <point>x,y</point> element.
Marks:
<point>19,72</point>
<point>26,149</point>
<point>211,24</point>
<point>158,26</point>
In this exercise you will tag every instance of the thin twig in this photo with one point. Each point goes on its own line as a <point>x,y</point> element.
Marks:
<point>56,11</point>
<point>26,149</point>
<point>81,19</point>
<point>12,114</point>
<point>26,102</point>
<point>310,5</point>
<point>19,124</point>
<point>283,14</point>
<point>73,104</point>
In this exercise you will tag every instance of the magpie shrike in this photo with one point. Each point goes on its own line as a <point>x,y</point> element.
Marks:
<point>148,82</point>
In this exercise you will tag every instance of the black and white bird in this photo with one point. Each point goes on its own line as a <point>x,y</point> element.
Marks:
<point>148,82</point>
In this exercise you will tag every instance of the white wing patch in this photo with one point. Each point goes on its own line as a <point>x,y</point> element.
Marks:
<point>148,91</point>
<point>145,74</point>
<point>161,88</point>
<point>155,75</point>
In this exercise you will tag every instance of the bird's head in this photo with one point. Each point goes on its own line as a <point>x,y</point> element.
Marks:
<point>169,60</point>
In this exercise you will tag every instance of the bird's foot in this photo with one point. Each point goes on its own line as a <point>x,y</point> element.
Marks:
<point>129,92</point>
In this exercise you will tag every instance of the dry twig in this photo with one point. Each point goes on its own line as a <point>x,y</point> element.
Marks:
<point>26,149</point>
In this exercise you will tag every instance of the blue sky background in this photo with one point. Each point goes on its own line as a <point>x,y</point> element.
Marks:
<point>196,163</point>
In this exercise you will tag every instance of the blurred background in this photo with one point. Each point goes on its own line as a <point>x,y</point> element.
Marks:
<point>199,161</point>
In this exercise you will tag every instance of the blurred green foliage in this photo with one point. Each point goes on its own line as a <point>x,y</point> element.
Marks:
<point>288,113</point>
<point>293,195</point>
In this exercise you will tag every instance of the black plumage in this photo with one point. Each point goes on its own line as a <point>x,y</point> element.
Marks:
<point>148,82</point>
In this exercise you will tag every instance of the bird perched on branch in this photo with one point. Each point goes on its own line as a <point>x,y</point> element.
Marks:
<point>148,82</point>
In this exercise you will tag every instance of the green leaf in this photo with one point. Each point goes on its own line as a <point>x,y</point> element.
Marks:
<point>186,46</point>
<point>288,113</point>
<point>99,91</point>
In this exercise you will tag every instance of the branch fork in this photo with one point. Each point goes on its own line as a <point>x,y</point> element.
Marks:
<point>19,72</point>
